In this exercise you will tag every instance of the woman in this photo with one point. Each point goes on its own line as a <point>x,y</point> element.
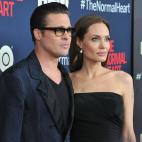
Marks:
<point>103,97</point>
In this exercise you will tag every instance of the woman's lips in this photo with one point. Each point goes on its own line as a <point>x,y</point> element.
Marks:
<point>101,53</point>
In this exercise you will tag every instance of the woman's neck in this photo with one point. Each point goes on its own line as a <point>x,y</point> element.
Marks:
<point>92,70</point>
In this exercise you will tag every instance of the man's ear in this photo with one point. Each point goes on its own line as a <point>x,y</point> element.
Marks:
<point>37,34</point>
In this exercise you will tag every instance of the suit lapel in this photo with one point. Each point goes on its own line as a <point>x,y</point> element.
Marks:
<point>47,92</point>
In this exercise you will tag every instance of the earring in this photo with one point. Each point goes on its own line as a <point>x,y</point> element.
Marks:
<point>81,51</point>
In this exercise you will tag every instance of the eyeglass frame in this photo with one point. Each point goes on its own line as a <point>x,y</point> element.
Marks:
<point>61,30</point>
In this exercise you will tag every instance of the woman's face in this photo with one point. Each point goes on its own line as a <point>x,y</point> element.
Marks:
<point>96,43</point>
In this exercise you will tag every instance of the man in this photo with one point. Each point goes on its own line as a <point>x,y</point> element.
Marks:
<point>0,72</point>
<point>36,101</point>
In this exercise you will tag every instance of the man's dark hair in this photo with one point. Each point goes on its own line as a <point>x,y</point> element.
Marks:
<point>38,17</point>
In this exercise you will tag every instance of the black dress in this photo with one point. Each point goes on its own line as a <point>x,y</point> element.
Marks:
<point>98,117</point>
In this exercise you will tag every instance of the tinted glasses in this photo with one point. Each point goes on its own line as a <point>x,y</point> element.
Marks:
<point>59,31</point>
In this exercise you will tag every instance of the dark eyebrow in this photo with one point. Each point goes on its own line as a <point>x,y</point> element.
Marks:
<point>99,35</point>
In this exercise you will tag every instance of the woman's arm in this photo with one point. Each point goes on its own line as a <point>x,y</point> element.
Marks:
<point>128,97</point>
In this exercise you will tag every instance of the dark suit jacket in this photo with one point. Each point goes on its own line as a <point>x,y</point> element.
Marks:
<point>29,111</point>
<point>0,72</point>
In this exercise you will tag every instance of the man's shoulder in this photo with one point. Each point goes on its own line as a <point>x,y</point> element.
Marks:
<point>18,67</point>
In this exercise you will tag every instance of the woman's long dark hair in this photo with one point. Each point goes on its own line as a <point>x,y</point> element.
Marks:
<point>81,28</point>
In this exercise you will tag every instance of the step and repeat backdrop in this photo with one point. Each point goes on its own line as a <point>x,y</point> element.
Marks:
<point>137,67</point>
<point>16,42</point>
<point>15,38</point>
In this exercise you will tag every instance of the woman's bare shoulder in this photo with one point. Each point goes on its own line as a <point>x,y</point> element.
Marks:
<point>123,77</point>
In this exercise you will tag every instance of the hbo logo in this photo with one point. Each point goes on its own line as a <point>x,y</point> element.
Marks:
<point>6,57</point>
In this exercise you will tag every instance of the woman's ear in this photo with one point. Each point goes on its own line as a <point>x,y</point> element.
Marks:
<point>37,34</point>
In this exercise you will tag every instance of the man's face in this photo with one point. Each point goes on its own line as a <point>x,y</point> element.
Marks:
<point>52,42</point>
